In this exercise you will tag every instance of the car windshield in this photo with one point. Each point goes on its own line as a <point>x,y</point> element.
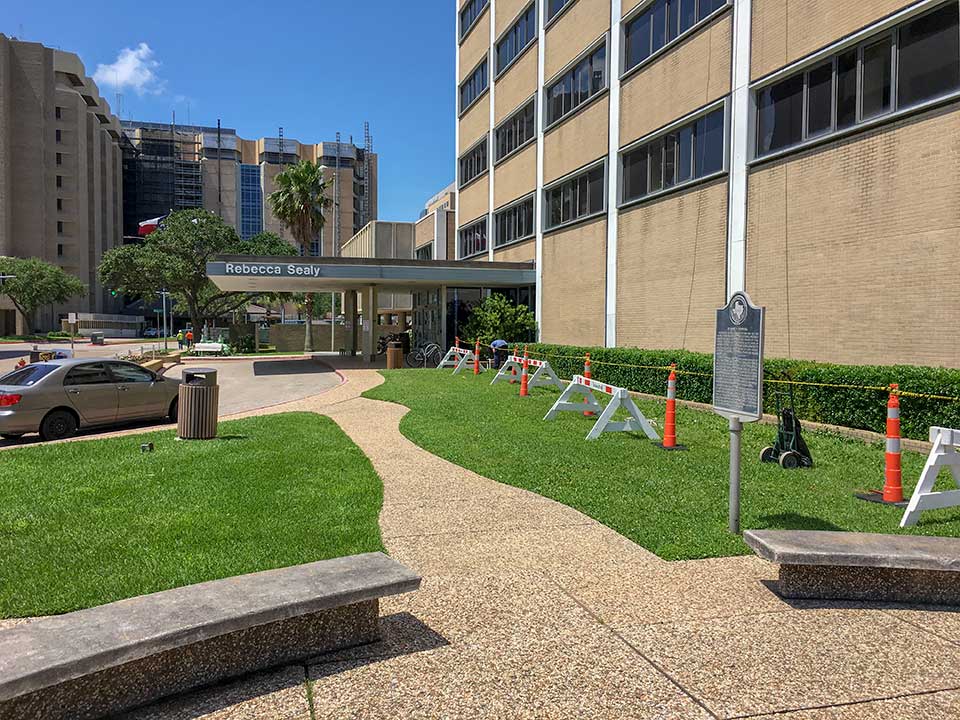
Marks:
<point>30,375</point>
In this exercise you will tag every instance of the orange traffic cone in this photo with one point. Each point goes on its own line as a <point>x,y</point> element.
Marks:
<point>476,359</point>
<point>588,376</point>
<point>524,390</point>
<point>892,493</point>
<point>670,417</point>
<point>513,370</point>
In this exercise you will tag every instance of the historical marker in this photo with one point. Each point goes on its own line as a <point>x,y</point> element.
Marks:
<point>738,379</point>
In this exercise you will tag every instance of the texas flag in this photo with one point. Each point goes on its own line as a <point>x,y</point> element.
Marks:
<point>148,226</point>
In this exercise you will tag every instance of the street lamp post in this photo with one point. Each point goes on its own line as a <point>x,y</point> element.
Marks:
<point>166,333</point>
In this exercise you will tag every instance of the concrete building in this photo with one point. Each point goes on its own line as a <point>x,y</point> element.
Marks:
<point>652,157</point>
<point>169,166</point>
<point>61,193</point>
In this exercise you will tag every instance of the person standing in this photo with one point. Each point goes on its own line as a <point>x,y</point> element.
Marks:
<point>499,348</point>
<point>180,339</point>
<point>189,337</point>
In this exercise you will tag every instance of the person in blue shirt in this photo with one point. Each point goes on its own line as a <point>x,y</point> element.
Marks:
<point>499,348</point>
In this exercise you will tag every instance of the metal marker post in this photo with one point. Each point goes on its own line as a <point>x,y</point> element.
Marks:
<point>736,427</point>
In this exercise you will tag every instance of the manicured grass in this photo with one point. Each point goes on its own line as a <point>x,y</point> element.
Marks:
<point>673,503</point>
<point>90,522</point>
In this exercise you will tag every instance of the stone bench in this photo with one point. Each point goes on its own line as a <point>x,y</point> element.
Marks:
<point>94,662</point>
<point>816,564</point>
<point>210,347</point>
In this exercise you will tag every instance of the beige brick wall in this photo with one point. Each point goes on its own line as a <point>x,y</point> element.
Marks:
<point>475,123</point>
<point>474,200</point>
<point>847,246</point>
<point>516,176</point>
<point>671,269</point>
<point>574,272</point>
<point>627,5</point>
<point>517,85</point>
<point>475,47</point>
<point>684,79</point>
<point>507,12</point>
<point>423,231</point>
<point>787,30</point>
<point>576,140</point>
<point>573,32</point>
<point>525,251</point>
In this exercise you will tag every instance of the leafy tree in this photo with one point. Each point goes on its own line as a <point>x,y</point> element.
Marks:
<point>497,317</point>
<point>36,283</point>
<point>175,257</point>
<point>299,203</point>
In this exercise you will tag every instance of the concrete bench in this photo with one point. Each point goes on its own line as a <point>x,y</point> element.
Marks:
<point>90,663</point>
<point>203,348</point>
<point>862,566</point>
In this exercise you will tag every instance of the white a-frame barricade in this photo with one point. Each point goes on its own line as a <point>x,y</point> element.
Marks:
<point>620,398</point>
<point>542,376</point>
<point>942,454</point>
<point>457,358</point>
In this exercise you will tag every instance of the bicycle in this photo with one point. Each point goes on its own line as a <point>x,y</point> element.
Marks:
<point>428,355</point>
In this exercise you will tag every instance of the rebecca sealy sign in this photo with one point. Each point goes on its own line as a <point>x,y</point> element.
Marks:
<point>738,359</point>
<point>272,269</point>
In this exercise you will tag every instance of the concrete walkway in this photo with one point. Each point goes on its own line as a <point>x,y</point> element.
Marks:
<point>531,610</point>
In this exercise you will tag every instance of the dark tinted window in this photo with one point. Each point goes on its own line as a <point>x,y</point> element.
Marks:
<point>27,376</point>
<point>473,238</point>
<point>524,30</point>
<point>123,372</point>
<point>877,78</point>
<point>474,163</point>
<point>93,374</point>
<point>780,110</point>
<point>514,222</point>
<point>555,6</point>
<point>473,86</point>
<point>575,198</point>
<point>929,49</point>
<point>574,87</point>
<point>820,99</point>
<point>471,11</point>
<point>846,89</point>
<point>516,130</point>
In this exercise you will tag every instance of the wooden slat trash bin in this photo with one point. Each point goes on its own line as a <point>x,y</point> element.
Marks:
<point>394,355</point>
<point>198,404</point>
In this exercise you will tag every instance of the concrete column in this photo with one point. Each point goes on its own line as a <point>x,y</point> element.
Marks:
<point>350,317</point>
<point>369,323</point>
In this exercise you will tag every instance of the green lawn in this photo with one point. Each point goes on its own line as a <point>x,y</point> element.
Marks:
<point>673,503</point>
<point>90,522</point>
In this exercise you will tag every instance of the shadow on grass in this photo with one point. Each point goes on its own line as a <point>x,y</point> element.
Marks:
<point>795,521</point>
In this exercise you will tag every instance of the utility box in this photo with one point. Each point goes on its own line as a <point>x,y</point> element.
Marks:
<point>199,401</point>
<point>394,355</point>
<point>96,338</point>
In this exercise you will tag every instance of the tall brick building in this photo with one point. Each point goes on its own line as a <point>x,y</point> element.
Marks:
<point>60,172</point>
<point>652,157</point>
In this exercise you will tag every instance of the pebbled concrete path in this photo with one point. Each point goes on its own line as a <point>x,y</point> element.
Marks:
<point>529,609</point>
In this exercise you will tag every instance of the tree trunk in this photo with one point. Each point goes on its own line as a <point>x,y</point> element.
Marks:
<point>308,334</point>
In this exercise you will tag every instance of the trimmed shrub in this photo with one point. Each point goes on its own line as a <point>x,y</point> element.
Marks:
<point>854,407</point>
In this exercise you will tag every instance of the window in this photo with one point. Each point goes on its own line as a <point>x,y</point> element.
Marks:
<point>517,130</point>
<point>474,162</point>
<point>251,201</point>
<point>57,112</point>
<point>554,7</point>
<point>59,203</point>
<point>59,227</point>
<point>60,250</point>
<point>93,374</point>
<point>662,22</point>
<point>514,222</point>
<point>30,375</point>
<point>474,86</point>
<point>425,252</point>
<point>59,181</point>
<point>575,198</point>
<point>915,62</point>
<point>468,16</point>
<point>687,153</point>
<point>518,37</point>
<point>473,238</point>
<point>59,159</point>
<point>59,135</point>
<point>129,373</point>
<point>587,78</point>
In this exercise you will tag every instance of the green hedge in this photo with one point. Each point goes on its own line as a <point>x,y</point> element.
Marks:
<point>855,408</point>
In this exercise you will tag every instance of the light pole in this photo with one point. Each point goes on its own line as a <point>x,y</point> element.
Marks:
<point>166,333</point>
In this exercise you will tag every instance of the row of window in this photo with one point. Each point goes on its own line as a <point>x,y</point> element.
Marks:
<point>474,86</point>
<point>472,239</point>
<point>474,162</point>
<point>513,223</point>
<point>425,252</point>
<point>584,80</point>
<point>690,152</point>
<point>518,129</point>
<point>555,6</point>
<point>575,198</point>
<point>662,23</point>
<point>468,16</point>
<point>522,33</point>
<point>910,64</point>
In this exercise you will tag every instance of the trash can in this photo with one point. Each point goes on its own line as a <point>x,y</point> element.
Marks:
<point>394,355</point>
<point>96,338</point>
<point>198,404</point>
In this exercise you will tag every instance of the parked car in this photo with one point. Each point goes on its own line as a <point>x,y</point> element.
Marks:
<point>58,397</point>
<point>151,332</point>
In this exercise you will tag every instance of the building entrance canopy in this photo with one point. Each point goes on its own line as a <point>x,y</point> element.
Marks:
<point>326,274</point>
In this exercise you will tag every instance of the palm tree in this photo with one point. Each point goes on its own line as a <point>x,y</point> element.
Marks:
<point>299,203</point>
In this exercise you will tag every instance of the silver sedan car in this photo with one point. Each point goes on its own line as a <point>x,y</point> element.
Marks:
<point>58,397</point>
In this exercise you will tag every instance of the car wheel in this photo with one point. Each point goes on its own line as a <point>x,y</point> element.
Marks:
<point>174,410</point>
<point>11,436</point>
<point>58,425</point>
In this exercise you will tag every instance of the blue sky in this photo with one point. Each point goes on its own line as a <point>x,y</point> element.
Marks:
<point>314,67</point>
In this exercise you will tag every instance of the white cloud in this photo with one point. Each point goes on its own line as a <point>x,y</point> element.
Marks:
<point>133,69</point>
